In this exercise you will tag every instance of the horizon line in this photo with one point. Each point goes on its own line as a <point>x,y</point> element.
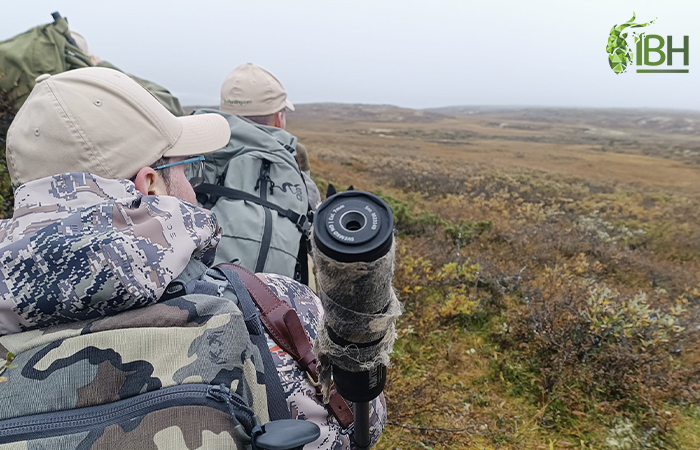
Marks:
<point>477,106</point>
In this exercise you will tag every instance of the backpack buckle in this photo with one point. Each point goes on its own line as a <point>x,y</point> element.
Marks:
<point>304,225</point>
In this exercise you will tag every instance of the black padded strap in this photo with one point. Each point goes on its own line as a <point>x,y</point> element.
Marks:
<point>301,221</point>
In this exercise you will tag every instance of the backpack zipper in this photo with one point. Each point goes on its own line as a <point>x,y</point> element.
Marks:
<point>98,417</point>
<point>266,240</point>
<point>264,179</point>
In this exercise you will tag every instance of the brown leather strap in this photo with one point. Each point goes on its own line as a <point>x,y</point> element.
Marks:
<point>286,329</point>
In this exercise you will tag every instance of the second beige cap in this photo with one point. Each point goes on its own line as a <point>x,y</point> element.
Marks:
<point>251,90</point>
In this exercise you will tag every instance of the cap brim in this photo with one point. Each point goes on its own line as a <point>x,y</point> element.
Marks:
<point>201,134</point>
<point>288,105</point>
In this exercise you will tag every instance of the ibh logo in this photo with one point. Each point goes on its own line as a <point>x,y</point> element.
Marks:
<point>620,55</point>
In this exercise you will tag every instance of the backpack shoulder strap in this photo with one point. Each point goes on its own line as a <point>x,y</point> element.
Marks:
<point>301,221</point>
<point>276,399</point>
<point>286,329</point>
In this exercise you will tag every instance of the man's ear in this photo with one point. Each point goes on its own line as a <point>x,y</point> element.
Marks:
<point>280,120</point>
<point>148,182</point>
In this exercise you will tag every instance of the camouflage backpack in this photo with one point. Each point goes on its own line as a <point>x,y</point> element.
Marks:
<point>186,373</point>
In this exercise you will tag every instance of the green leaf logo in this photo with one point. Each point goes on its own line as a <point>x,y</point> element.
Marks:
<point>619,54</point>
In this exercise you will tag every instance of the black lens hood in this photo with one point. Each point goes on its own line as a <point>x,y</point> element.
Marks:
<point>354,226</point>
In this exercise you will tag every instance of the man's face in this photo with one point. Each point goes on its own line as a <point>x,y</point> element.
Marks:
<point>170,180</point>
<point>177,184</point>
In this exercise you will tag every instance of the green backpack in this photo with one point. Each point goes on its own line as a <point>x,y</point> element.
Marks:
<point>51,49</point>
<point>43,49</point>
<point>255,188</point>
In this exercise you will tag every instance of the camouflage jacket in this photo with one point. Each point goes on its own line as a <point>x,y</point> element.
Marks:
<point>80,247</point>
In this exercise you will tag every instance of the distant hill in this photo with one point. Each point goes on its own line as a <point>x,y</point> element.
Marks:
<point>361,112</point>
<point>670,121</point>
<point>353,112</point>
<point>667,120</point>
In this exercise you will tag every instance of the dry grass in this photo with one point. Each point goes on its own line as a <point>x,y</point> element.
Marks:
<point>567,212</point>
<point>582,161</point>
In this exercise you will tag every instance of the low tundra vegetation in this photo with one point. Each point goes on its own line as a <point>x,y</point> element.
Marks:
<point>541,312</point>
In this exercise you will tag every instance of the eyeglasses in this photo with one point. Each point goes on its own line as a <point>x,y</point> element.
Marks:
<point>194,171</point>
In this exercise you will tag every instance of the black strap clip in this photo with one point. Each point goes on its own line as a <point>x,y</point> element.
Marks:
<point>303,223</point>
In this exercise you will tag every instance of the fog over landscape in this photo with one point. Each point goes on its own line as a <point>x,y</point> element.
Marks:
<point>413,54</point>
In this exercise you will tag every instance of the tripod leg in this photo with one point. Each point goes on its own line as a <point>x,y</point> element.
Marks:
<point>362,437</point>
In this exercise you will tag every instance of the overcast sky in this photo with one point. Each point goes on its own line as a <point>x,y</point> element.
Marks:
<point>409,53</point>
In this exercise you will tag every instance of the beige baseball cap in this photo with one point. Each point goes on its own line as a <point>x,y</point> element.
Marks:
<point>101,121</point>
<point>251,90</point>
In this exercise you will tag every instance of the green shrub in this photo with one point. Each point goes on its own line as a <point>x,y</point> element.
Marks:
<point>409,221</point>
<point>592,345</point>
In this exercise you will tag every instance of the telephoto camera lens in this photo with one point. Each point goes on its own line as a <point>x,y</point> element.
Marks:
<point>353,248</point>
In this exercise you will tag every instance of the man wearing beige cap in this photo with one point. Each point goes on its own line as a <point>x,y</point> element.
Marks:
<point>105,220</point>
<point>72,150</point>
<point>253,92</point>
